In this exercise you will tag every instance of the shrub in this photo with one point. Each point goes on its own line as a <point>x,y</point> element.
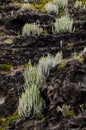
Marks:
<point>51,8</point>
<point>63,24</point>
<point>61,3</point>
<point>31,76</point>
<point>31,29</point>
<point>78,4</point>
<point>31,1</point>
<point>31,102</point>
<point>47,63</point>
<point>26,6</point>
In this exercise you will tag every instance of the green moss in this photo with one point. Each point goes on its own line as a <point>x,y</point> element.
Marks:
<point>62,65</point>
<point>70,113</point>
<point>27,64</point>
<point>4,73</point>
<point>83,17</point>
<point>9,41</point>
<point>2,121</point>
<point>2,33</point>
<point>70,44</point>
<point>61,12</point>
<point>45,32</point>
<point>39,116</point>
<point>67,111</point>
<point>80,59</point>
<point>6,67</point>
<point>83,2</point>
<point>10,119</point>
<point>19,5</point>
<point>6,121</point>
<point>1,128</point>
<point>40,5</point>
<point>71,1</point>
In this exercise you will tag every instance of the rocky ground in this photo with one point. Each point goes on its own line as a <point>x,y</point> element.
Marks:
<point>65,86</point>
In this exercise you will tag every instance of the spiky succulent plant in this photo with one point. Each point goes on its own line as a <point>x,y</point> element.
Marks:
<point>26,6</point>
<point>47,63</point>
<point>31,29</point>
<point>63,24</point>
<point>61,3</point>
<point>78,4</point>
<point>31,102</point>
<point>51,8</point>
<point>31,1</point>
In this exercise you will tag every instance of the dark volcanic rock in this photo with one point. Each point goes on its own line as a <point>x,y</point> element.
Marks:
<point>21,50</point>
<point>68,85</point>
<point>10,88</point>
